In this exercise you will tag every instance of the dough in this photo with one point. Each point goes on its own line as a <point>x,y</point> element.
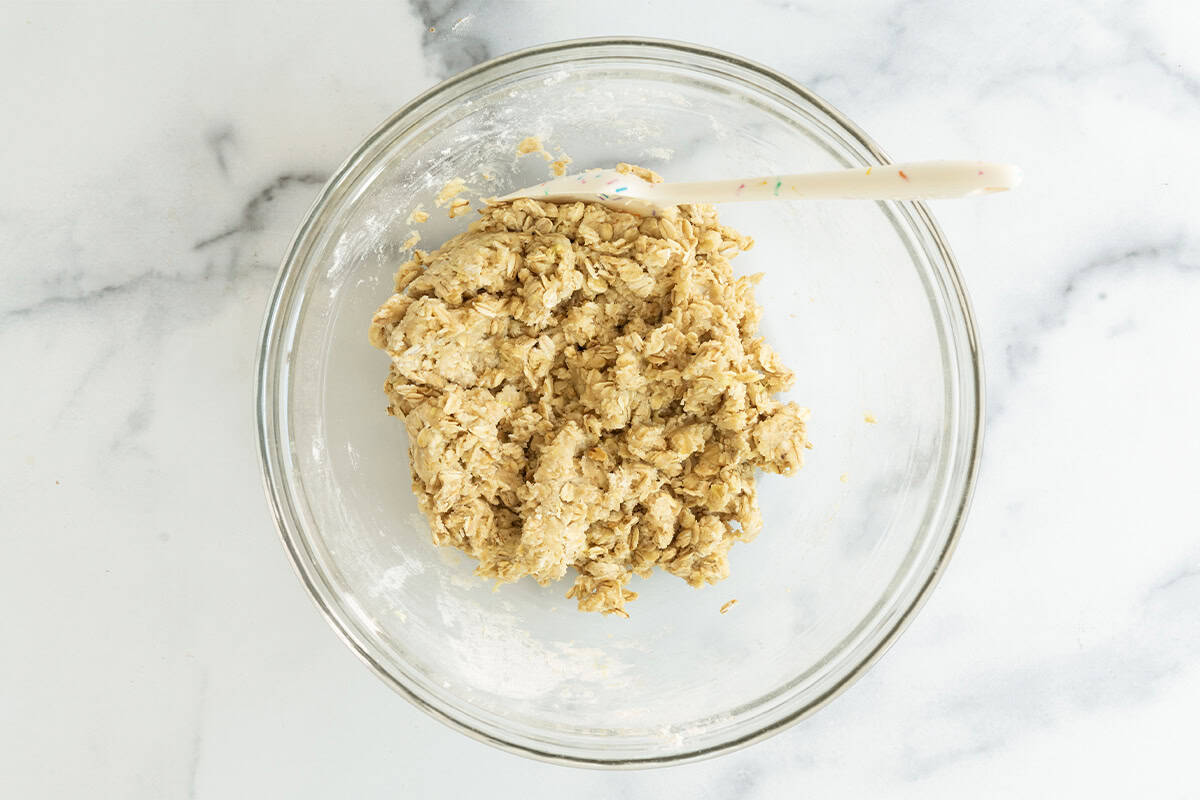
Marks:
<point>584,388</point>
<point>532,144</point>
<point>453,188</point>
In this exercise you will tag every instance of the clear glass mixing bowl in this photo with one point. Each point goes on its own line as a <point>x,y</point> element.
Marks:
<point>862,300</point>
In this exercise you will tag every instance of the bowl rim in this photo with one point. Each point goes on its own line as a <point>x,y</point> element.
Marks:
<point>267,427</point>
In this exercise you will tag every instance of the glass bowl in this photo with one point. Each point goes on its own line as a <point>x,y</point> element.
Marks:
<point>863,300</point>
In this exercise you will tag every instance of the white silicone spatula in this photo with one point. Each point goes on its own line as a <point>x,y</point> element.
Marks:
<point>926,180</point>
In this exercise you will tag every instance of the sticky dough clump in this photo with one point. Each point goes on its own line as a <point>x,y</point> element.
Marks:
<point>584,388</point>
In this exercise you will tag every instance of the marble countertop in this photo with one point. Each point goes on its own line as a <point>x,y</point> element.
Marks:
<point>157,157</point>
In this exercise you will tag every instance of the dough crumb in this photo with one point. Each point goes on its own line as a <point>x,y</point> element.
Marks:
<point>453,188</point>
<point>418,215</point>
<point>413,238</point>
<point>869,418</point>
<point>586,389</point>
<point>845,477</point>
<point>648,175</point>
<point>459,207</point>
<point>531,144</point>
<point>729,605</point>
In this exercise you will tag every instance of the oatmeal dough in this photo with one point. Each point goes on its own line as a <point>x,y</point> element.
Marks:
<point>584,388</point>
<point>453,188</point>
<point>532,144</point>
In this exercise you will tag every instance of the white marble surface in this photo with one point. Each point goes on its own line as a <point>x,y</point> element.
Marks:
<point>155,159</point>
